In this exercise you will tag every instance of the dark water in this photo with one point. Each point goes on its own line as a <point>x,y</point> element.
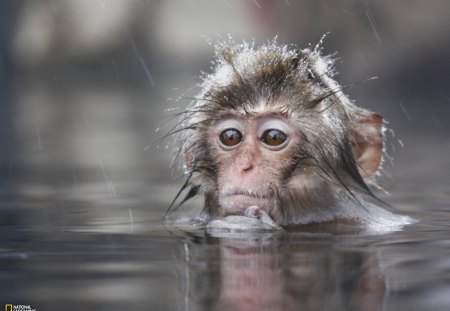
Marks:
<point>106,252</point>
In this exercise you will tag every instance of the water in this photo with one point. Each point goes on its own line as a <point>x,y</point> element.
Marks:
<point>63,251</point>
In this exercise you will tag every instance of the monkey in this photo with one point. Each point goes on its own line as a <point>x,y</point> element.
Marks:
<point>272,133</point>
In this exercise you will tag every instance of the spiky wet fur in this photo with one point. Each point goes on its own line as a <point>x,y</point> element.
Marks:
<point>323,174</point>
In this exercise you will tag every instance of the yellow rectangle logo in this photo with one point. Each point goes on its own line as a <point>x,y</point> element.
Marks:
<point>8,307</point>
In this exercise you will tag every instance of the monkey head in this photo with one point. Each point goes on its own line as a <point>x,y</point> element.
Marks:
<point>271,128</point>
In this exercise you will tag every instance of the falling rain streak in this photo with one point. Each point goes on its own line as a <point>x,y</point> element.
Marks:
<point>55,81</point>
<point>405,112</point>
<point>109,184</point>
<point>372,23</point>
<point>147,72</point>
<point>116,72</point>
<point>257,4</point>
<point>86,121</point>
<point>130,215</point>
<point>74,177</point>
<point>347,12</point>
<point>140,58</point>
<point>38,136</point>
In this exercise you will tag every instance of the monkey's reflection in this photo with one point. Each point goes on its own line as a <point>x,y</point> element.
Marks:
<point>282,273</point>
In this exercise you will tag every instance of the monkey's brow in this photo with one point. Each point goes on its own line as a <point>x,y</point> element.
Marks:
<point>256,114</point>
<point>280,114</point>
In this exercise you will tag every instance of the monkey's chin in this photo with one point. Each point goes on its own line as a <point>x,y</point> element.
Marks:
<point>238,203</point>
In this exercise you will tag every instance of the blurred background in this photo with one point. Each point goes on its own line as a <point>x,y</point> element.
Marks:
<point>85,86</point>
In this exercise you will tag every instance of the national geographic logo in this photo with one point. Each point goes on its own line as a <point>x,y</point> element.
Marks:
<point>11,307</point>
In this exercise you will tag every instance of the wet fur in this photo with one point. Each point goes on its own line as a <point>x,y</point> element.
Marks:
<point>323,172</point>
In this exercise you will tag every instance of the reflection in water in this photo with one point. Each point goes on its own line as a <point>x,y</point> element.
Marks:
<point>281,272</point>
<point>71,262</point>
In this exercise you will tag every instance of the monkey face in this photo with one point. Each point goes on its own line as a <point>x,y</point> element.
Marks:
<point>252,153</point>
<point>272,129</point>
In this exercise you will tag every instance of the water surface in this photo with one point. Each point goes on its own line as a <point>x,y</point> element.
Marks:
<point>65,252</point>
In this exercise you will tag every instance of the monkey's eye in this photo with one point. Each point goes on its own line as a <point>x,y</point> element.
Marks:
<point>230,137</point>
<point>273,137</point>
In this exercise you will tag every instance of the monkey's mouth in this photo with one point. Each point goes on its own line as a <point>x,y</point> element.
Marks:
<point>246,193</point>
<point>237,201</point>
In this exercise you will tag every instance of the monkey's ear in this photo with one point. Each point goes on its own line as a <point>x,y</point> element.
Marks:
<point>366,138</point>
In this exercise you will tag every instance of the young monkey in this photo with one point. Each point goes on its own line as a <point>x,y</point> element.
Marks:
<point>273,132</point>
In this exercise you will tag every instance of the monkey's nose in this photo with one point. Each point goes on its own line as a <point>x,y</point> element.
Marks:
<point>245,163</point>
<point>247,167</point>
